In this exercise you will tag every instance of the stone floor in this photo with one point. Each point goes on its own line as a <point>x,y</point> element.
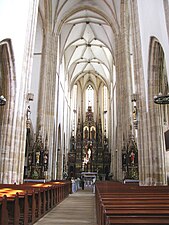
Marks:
<point>77,209</point>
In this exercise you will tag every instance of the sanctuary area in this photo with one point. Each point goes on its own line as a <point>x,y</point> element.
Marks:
<point>84,100</point>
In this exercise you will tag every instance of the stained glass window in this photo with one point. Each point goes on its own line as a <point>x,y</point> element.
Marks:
<point>90,97</point>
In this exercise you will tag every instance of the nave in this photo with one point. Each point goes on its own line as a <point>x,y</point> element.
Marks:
<point>113,203</point>
<point>77,209</point>
<point>84,88</point>
<point>109,203</point>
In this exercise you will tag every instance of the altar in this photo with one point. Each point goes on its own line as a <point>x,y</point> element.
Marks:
<point>89,178</point>
<point>89,152</point>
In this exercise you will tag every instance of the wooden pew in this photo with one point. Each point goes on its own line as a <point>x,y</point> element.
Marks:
<point>144,220</point>
<point>135,212</point>
<point>31,202</point>
<point>115,201</point>
<point>3,211</point>
<point>12,202</point>
<point>27,203</point>
<point>13,209</point>
<point>23,204</point>
<point>133,206</point>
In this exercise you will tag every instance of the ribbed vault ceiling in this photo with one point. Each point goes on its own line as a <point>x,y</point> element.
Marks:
<point>87,31</point>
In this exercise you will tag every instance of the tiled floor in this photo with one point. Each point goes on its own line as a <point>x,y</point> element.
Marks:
<point>77,209</point>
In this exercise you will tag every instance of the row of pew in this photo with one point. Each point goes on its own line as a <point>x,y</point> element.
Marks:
<point>118,203</point>
<point>26,203</point>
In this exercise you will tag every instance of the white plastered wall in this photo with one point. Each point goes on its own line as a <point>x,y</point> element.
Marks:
<point>35,76</point>
<point>152,23</point>
<point>15,28</point>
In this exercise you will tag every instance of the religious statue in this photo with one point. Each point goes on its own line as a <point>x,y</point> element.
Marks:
<point>132,157</point>
<point>93,133</point>
<point>29,159</point>
<point>28,112</point>
<point>135,113</point>
<point>124,159</point>
<point>45,159</point>
<point>37,157</point>
<point>89,153</point>
<point>86,133</point>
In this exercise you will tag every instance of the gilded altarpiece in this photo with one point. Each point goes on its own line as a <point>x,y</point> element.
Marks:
<point>130,160</point>
<point>38,160</point>
<point>89,148</point>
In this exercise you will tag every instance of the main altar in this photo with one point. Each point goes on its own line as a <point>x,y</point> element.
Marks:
<point>89,148</point>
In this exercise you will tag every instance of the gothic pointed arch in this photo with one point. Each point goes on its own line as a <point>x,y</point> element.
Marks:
<point>59,154</point>
<point>157,83</point>
<point>7,112</point>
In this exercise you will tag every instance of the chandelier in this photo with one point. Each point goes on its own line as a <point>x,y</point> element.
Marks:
<point>161,99</point>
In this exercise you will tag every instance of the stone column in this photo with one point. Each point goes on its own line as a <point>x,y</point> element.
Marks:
<point>122,84</point>
<point>142,140</point>
<point>14,148</point>
<point>156,147</point>
<point>47,104</point>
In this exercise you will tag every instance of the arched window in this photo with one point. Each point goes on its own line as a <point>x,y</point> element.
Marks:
<point>105,110</point>
<point>0,77</point>
<point>105,98</point>
<point>163,88</point>
<point>90,97</point>
<point>163,82</point>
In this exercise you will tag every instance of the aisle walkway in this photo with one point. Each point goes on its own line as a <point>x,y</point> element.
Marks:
<point>77,209</point>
